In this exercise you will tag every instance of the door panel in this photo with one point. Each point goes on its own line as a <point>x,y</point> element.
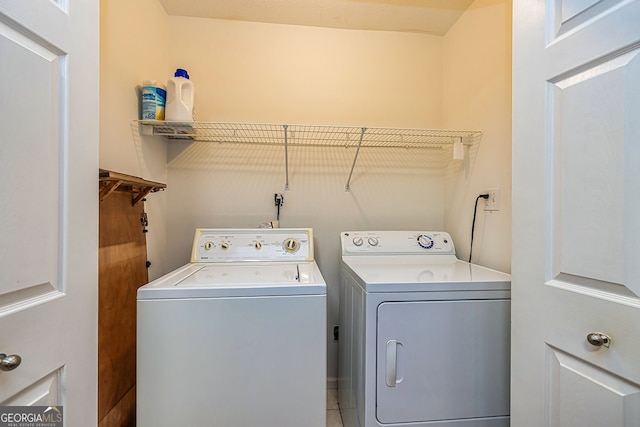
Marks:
<point>604,399</point>
<point>571,8</point>
<point>43,392</point>
<point>31,158</point>
<point>590,143</point>
<point>576,206</point>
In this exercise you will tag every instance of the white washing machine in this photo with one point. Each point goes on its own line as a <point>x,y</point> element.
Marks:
<point>237,337</point>
<point>424,337</point>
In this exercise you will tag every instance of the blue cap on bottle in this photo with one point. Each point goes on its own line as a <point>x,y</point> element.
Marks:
<point>181,73</point>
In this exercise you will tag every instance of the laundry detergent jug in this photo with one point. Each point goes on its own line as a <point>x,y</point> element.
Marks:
<point>180,96</point>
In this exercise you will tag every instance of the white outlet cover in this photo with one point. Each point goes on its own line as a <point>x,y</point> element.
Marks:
<point>493,202</point>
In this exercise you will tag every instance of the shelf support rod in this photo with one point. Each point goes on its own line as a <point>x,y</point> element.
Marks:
<point>355,158</point>
<point>286,157</point>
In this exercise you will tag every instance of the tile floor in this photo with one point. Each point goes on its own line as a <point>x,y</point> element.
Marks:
<point>333,413</point>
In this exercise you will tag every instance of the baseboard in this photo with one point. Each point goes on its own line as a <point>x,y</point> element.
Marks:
<point>332,382</point>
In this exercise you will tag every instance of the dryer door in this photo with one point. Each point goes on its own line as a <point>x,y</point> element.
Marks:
<point>442,360</point>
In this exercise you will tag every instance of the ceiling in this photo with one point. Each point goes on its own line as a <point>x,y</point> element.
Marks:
<point>419,16</point>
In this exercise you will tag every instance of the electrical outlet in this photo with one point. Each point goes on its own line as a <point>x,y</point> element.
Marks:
<point>493,202</point>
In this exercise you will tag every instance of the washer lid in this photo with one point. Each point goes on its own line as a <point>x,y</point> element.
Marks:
<point>198,280</point>
<point>416,273</point>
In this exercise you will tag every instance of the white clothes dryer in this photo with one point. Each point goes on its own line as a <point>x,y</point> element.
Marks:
<point>237,337</point>
<point>424,337</point>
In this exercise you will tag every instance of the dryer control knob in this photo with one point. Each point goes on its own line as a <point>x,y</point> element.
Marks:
<point>373,241</point>
<point>208,246</point>
<point>224,245</point>
<point>358,241</point>
<point>257,245</point>
<point>425,242</point>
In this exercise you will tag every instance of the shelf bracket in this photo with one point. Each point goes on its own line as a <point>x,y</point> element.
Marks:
<point>286,157</point>
<point>144,191</point>
<point>109,188</point>
<point>347,187</point>
<point>139,188</point>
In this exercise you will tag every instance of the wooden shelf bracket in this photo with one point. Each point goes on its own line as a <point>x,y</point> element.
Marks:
<point>139,188</point>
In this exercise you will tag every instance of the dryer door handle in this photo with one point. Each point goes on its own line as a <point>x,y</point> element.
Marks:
<point>391,375</point>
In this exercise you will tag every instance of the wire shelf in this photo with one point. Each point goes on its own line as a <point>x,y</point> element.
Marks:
<point>309,135</point>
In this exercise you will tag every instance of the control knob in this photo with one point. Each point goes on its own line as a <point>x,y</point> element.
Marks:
<point>224,245</point>
<point>425,242</point>
<point>291,245</point>
<point>257,245</point>
<point>373,241</point>
<point>358,241</point>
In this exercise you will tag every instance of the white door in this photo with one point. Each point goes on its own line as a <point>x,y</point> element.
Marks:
<point>49,58</point>
<point>576,213</point>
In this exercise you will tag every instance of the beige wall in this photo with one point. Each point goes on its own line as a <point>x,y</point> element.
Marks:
<point>133,48</point>
<point>477,95</point>
<point>252,72</point>
<point>266,73</point>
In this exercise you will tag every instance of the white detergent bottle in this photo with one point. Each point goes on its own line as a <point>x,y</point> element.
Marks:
<point>180,96</point>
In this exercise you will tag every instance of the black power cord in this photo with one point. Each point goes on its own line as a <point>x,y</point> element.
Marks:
<point>473,224</point>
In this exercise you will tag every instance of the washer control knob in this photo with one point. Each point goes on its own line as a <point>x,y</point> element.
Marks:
<point>257,245</point>
<point>208,246</point>
<point>373,241</point>
<point>358,241</point>
<point>291,245</point>
<point>224,245</point>
<point>425,242</point>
